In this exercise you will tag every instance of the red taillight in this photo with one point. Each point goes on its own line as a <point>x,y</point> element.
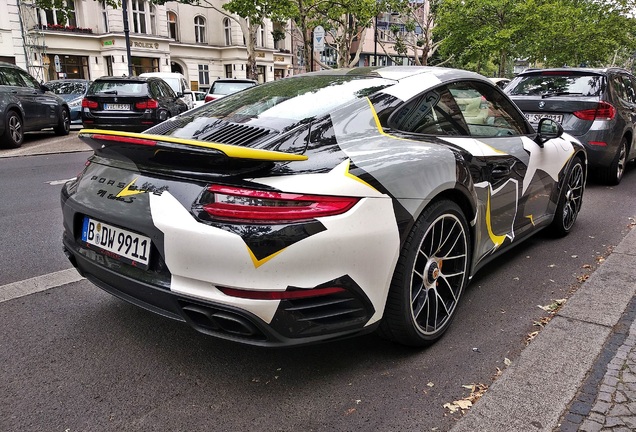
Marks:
<point>209,98</point>
<point>598,143</point>
<point>124,139</point>
<point>89,104</point>
<point>147,104</point>
<point>249,205</point>
<point>280,295</point>
<point>603,111</point>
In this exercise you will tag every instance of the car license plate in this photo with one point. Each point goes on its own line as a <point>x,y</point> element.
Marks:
<point>534,118</point>
<point>122,244</point>
<point>117,107</point>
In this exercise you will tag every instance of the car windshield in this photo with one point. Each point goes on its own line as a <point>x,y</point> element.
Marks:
<point>295,98</point>
<point>557,84</point>
<point>120,88</point>
<point>226,88</point>
<point>67,87</point>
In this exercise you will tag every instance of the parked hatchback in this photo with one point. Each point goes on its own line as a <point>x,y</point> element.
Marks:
<point>597,106</point>
<point>26,105</point>
<point>72,91</point>
<point>223,87</point>
<point>129,103</point>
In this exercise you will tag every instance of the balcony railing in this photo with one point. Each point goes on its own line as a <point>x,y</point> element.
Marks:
<point>61,28</point>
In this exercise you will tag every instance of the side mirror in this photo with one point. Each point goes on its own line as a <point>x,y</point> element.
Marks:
<point>179,94</point>
<point>44,87</point>
<point>546,130</point>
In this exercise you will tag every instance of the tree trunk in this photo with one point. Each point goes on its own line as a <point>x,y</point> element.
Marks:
<point>252,71</point>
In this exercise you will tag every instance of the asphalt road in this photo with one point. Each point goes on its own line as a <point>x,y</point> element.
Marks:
<point>74,358</point>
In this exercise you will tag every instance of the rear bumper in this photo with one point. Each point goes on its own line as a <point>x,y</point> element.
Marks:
<point>600,156</point>
<point>214,319</point>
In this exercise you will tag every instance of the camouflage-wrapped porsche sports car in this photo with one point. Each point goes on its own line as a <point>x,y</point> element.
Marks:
<point>320,206</point>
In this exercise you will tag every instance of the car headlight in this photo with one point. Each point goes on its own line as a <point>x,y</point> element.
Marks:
<point>75,103</point>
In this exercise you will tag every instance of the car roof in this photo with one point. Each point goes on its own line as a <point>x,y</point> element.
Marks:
<point>235,80</point>
<point>575,70</point>
<point>401,72</point>
<point>129,79</point>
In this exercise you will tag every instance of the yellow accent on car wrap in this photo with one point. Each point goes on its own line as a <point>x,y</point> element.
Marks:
<point>379,125</point>
<point>358,179</point>
<point>127,192</point>
<point>496,239</point>
<point>231,151</point>
<point>257,262</point>
<point>531,219</point>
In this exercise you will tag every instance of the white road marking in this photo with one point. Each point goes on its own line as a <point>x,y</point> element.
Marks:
<point>59,182</point>
<point>39,283</point>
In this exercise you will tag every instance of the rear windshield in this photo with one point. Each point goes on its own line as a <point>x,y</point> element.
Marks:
<point>555,84</point>
<point>67,87</point>
<point>294,98</point>
<point>226,88</point>
<point>119,88</point>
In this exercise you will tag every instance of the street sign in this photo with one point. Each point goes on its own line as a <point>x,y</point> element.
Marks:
<point>58,65</point>
<point>319,39</point>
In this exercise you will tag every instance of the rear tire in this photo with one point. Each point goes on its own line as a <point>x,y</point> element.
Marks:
<point>570,200</point>
<point>430,276</point>
<point>13,136</point>
<point>64,124</point>
<point>613,174</point>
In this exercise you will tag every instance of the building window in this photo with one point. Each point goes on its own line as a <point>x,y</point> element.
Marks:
<point>172,25</point>
<point>139,16</point>
<point>227,26</point>
<point>199,29</point>
<point>204,75</point>
<point>260,74</point>
<point>260,38</point>
<point>109,65</point>
<point>104,15</point>
<point>228,71</point>
<point>144,64</point>
<point>54,16</point>
<point>153,19</point>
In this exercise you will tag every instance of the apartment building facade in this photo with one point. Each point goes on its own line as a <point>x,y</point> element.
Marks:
<point>201,43</point>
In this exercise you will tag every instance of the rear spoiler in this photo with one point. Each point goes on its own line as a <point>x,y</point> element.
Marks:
<point>99,139</point>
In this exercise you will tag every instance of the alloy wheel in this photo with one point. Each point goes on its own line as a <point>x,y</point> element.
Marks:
<point>439,273</point>
<point>573,196</point>
<point>15,128</point>
<point>622,160</point>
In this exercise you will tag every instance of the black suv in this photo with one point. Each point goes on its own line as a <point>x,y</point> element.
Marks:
<point>129,103</point>
<point>26,105</point>
<point>597,106</point>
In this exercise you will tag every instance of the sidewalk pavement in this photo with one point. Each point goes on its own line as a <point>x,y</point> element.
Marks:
<point>579,373</point>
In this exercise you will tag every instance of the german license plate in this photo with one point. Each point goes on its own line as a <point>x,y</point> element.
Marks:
<point>117,107</point>
<point>534,118</point>
<point>118,243</point>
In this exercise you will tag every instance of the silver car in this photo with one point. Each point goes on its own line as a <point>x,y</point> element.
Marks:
<point>597,106</point>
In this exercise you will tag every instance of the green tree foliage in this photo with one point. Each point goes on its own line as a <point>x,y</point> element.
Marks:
<point>546,32</point>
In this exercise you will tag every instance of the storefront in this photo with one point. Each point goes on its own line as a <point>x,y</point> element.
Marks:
<point>70,66</point>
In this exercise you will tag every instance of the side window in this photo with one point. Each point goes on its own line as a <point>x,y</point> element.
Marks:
<point>486,111</point>
<point>619,87</point>
<point>154,89</point>
<point>12,78</point>
<point>167,90</point>
<point>29,81</point>
<point>465,108</point>
<point>432,113</point>
<point>629,89</point>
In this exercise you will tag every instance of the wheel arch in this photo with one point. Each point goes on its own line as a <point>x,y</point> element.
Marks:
<point>466,202</point>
